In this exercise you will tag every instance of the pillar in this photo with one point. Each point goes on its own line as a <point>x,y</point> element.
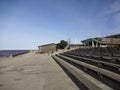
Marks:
<point>93,44</point>
<point>96,44</point>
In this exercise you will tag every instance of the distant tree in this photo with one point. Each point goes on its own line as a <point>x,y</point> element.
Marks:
<point>62,44</point>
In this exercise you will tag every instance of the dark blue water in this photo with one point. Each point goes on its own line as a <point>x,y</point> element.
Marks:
<point>7,53</point>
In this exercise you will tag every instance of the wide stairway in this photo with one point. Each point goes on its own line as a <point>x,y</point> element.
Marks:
<point>92,68</point>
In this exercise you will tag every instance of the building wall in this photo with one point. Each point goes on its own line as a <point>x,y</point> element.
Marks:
<point>111,40</point>
<point>47,48</point>
<point>107,40</point>
<point>115,40</point>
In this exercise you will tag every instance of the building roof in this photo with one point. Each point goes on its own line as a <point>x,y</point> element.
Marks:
<point>103,42</point>
<point>47,44</point>
<point>76,44</point>
<point>113,36</point>
<point>98,40</point>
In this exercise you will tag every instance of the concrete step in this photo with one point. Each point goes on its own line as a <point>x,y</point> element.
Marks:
<point>116,67</point>
<point>86,79</point>
<point>107,73</point>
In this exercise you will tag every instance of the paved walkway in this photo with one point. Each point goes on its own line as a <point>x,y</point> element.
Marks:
<point>33,72</point>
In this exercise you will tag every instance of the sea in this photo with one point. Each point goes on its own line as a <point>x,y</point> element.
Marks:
<point>8,53</point>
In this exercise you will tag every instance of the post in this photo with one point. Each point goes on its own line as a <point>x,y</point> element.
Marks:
<point>96,44</point>
<point>93,44</point>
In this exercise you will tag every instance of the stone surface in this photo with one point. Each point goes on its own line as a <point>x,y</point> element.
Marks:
<point>33,72</point>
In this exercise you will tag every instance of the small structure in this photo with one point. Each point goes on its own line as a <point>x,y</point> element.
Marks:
<point>47,48</point>
<point>76,45</point>
<point>109,41</point>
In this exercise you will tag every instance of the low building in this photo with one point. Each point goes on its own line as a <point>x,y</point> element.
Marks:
<point>76,45</point>
<point>109,41</point>
<point>47,48</point>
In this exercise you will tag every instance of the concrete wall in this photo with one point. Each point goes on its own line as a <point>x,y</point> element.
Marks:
<point>107,40</point>
<point>111,40</point>
<point>47,48</point>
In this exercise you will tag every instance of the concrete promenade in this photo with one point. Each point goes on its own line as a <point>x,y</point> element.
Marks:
<point>33,72</point>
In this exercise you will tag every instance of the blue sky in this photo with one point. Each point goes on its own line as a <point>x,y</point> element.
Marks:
<point>25,24</point>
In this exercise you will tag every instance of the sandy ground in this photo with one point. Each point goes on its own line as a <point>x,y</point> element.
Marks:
<point>33,72</point>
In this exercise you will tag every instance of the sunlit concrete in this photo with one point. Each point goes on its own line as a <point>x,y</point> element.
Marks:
<point>33,72</point>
